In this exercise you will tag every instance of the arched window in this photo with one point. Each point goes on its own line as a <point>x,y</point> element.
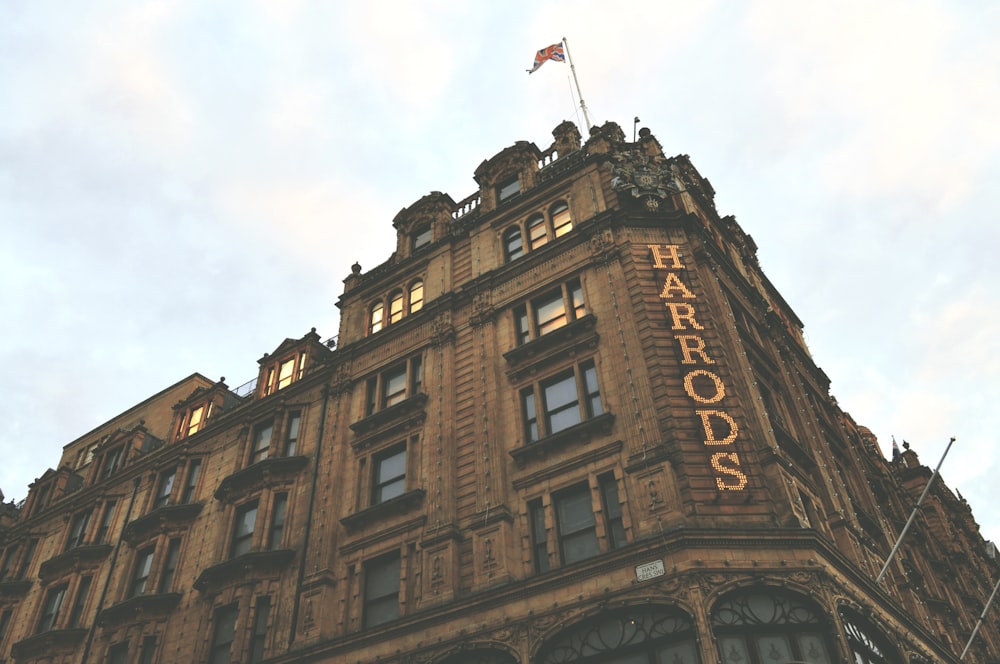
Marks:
<point>634,635</point>
<point>562,223</point>
<point>416,296</point>
<point>376,317</point>
<point>395,307</point>
<point>537,233</point>
<point>760,626</point>
<point>867,645</point>
<point>513,245</point>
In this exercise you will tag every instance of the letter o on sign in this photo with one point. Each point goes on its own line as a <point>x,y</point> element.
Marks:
<point>720,389</point>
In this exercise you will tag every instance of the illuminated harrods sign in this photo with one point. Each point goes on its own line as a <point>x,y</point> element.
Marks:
<point>702,386</point>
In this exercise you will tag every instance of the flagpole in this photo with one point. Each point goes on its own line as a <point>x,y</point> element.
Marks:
<point>583,106</point>
<point>980,623</point>
<point>913,515</point>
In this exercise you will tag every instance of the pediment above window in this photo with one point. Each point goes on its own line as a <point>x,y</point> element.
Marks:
<point>576,338</point>
<point>266,473</point>
<point>52,642</point>
<point>159,520</point>
<point>138,609</point>
<point>575,435</point>
<point>75,559</point>
<point>392,421</point>
<point>410,500</point>
<point>264,564</point>
<point>14,588</point>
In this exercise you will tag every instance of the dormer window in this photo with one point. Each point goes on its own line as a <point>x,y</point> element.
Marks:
<point>284,373</point>
<point>194,420</point>
<point>422,237</point>
<point>508,189</point>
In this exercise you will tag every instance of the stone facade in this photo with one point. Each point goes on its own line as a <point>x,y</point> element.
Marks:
<point>569,419</point>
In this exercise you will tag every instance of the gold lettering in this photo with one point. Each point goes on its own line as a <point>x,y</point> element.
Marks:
<point>732,471</point>
<point>691,344</point>
<point>671,253</point>
<point>706,424</point>
<point>674,283</point>
<point>720,389</point>
<point>680,312</point>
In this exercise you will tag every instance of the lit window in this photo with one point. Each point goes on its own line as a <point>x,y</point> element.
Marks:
<point>389,479</point>
<point>143,565</point>
<point>259,635</point>
<point>277,531</point>
<point>549,312</point>
<point>223,635</point>
<point>381,590</point>
<point>195,423</point>
<point>193,420</point>
<point>78,530</point>
<point>422,237</point>
<point>286,372</point>
<point>395,307</point>
<point>508,189</point>
<point>513,244</point>
<point>164,489</point>
<point>376,318</point>
<point>562,223</point>
<point>416,296</point>
<point>537,233</point>
<point>394,385</point>
<point>50,609</point>
<point>561,401</point>
<point>261,442</point>
<point>246,521</point>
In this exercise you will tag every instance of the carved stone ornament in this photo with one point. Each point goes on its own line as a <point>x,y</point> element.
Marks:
<point>644,177</point>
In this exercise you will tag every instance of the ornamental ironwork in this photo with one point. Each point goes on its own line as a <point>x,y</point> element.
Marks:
<point>644,177</point>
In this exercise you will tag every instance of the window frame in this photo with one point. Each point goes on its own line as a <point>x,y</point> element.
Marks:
<point>192,474</point>
<point>391,565</point>
<point>284,371</point>
<point>396,305</point>
<point>78,529</point>
<point>241,541</point>
<point>528,322</point>
<point>376,396</point>
<point>380,484</point>
<point>48,618</point>
<point>508,188</point>
<point>142,570</point>
<point>79,600</point>
<point>224,617</point>
<point>537,411</point>
<point>278,521</point>
<point>422,236</point>
<point>107,518</point>
<point>164,487</point>
<point>260,446</point>
<point>112,462</point>
<point>258,634</point>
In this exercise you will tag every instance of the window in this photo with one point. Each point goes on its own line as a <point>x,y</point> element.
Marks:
<point>112,462</point>
<point>575,525</point>
<point>284,373</point>
<point>613,524</point>
<point>118,653</point>
<point>246,520</point>
<point>389,478</point>
<point>401,303</point>
<point>394,385</point>
<point>50,609</point>
<point>421,237</point>
<point>193,470</point>
<point>561,401</point>
<point>261,442</point>
<point>395,306</point>
<point>193,420</point>
<point>223,635</point>
<point>8,561</point>
<point>170,565</point>
<point>375,318</point>
<point>259,635</point>
<point>41,498</point>
<point>381,590</point>
<point>549,312</point>
<point>143,565</point>
<point>539,535</point>
<point>508,189</point>
<point>292,434</point>
<point>29,555</point>
<point>107,516</point>
<point>416,296</point>
<point>537,233</point>
<point>277,530</point>
<point>513,244</point>
<point>196,420</point>
<point>148,651</point>
<point>5,623</point>
<point>762,626</point>
<point>163,489</point>
<point>82,590</point>
<point>868,646</point>
<point>78,530</point>
<point>562,223</point>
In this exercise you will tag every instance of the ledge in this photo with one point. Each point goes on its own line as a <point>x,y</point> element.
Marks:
<point>263,562</point>
<point>262,473</point>
<point>48,643</point>
<point>405,414</point>
<point>157,520</point>
<point>73,559</point>
<point>134,609</point>
<point>392,507</point>
<point>575,338</point>
<point>578,433</point>
<point>791,446</point>
<point>14,588</point>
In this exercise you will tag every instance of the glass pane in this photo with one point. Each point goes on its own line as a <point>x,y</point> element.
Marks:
<point>774,650</point>
<point>396,307</point>
<point>550,313</point>
<point>395,387</point>
<point>580,546</point>
<point>679,653</point>
<point>575,512</point>
<point>285,373</point>
<point>382,578</point>
<point>376,317</point>
<point>733,651</point>
<point>536,232</point>
<point>513,243</point>
<point>392,466</point>
<point>245,521</point>
<point>530,419</point>
<point>416,296</point>
<point>561,221</point>
<point>813,649</point>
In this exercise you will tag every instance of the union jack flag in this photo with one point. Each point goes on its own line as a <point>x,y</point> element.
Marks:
<point>554,52</point>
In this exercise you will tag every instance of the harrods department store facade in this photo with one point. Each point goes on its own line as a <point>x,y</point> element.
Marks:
<point>568,420</point>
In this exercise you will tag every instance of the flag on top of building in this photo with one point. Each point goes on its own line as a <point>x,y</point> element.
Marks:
<point>554,52</point>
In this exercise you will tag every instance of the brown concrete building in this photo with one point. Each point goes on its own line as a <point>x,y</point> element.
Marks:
<point>568,420</point>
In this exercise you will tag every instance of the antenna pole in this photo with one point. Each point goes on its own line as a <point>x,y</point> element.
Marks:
<point>583,106</point>
<point>913,515</point>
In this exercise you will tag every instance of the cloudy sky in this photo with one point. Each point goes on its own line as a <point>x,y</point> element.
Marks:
<point>184,184</point>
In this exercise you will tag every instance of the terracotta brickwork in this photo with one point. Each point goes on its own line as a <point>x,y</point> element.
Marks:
<point>568,419</point>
